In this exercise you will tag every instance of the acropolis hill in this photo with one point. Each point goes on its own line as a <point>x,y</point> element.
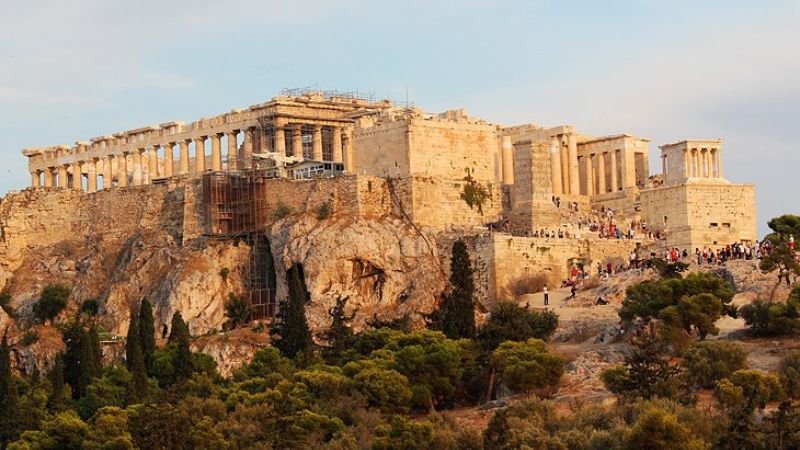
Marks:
<point>366,195</point>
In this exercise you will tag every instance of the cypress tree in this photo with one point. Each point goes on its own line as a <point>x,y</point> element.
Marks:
<point>8,395</point>
<point>179,340</point>
<point>147,333</point>
<point>135,361</point>
<point>57,400</point>
<point>71,336</point>
<point>340,335</point>
<point>456,318</point>
<point>290,332</point>
<point>89,363</point>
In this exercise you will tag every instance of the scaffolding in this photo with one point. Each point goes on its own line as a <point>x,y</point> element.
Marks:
<point>235,208</point>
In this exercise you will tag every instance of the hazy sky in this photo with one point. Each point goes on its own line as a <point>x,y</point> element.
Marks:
<point>665,70</point>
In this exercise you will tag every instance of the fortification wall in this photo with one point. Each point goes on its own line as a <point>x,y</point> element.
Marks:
<point>382,150</point>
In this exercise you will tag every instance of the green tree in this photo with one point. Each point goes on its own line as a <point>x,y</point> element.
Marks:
<point>510,322</point>
<point>646,373</point>
<point>339,336</point>
<point>65,431</point>
<point>746,390</point>
<point>51,302</point>
<point>456,314</point>
<point>528,365</point>
<point>147,333</point>
<point>772,318</point>
<point>657,429</point>
<point>108,430</point>
<point>707,362</point>
<point>781,259</point>
<point>134,359</point>
<point>59,392</point>
<point>237,310</point>
<point>789,373</point>
<point>179,340</point>
<point>386,389</point>
<point>8,395</point>
<point>290,332</point>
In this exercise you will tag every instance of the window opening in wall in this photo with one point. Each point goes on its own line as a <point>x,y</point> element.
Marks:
<point>713,224</point>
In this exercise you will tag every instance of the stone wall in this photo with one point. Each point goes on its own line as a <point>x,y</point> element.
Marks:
<point>533,207</point>
<point>708,213</point>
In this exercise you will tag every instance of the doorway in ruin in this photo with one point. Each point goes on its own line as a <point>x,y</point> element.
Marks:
<point>259,277</point>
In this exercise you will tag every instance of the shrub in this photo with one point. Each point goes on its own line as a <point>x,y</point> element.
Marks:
<point>324,210</point>
<point>236,310</point>
<point>281,211</point>
<point>747,390</point>
<point>707,362</point>
<point>527,285</point>
<point>528,365</point>
<point>52,301</point>
<point>30,337</point>
<point>90,307</point>
<point>766,318</point>
<point>224,273</point>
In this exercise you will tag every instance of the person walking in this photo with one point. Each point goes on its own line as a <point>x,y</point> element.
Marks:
<point>546,297</point>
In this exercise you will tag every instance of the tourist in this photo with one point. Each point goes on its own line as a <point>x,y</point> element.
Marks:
<point>546,297</point>
<point>573,290</point>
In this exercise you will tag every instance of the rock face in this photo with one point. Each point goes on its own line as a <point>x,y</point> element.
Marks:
<point>119,247</point>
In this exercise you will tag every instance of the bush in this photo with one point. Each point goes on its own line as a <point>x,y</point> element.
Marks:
<point>707,362</point>
<point>766,318</point>
<point>30,337</point>
<point>528,365</point>
<point>236,310</point>
<point>52,301</point>
<point>527,285</point>
<point>224,273</point>
<point>281,211</point>
<point>324,210</point>
<point>5,304</point>
<point>90,307</point>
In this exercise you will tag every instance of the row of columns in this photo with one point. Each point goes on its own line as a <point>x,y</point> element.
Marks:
<point>596,181</point>
<point>147,165</point>
<point>700,163</point>
<point>564,165</point>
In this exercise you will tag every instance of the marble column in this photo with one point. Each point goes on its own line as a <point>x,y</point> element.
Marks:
<point>247,149</point>
<point>35,179</point>
<point>337,145</point>
<point>184,156</point>
<point>107,176</point>
<point>77,176</point>
<point>280,139</point>
<point>349,155</point>
<point>589,175</point>
<point>555,166</point>
<point>200,155</point>
<point>48,177</point>
<point>707,158</point>
<point>719,162</point>
<point>137,167</point>
<point>316,143</point>
<point>297,140</point>
<point>614,182</point>
<point>62,176</point>
<point>233,150</point>
<point>574,180</point>
<point>565,183</point>
<point>686,172</point>
<point>216,152</point>
<point>122,169</point>
<point>169,162</point>
<point>91,175</point>
<point>601,173</point>
<point>152,164</point>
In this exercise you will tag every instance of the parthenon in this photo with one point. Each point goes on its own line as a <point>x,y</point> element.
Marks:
<point>523,168</point>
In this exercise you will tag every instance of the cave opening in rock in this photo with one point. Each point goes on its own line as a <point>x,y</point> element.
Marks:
<point>259,277</point>
<point>368,278</point>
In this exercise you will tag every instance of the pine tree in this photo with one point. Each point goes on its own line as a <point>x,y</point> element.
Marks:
<point>147,333</point>
<point>57,400</point>
<point>8,395</point>
<point>179,339</point>
<point>339,336</point>
<point>290,332</point>
<point>456,318</point>
<point>135,361</point>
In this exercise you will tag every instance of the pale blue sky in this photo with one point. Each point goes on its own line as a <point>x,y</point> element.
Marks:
<point>665,70</point>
